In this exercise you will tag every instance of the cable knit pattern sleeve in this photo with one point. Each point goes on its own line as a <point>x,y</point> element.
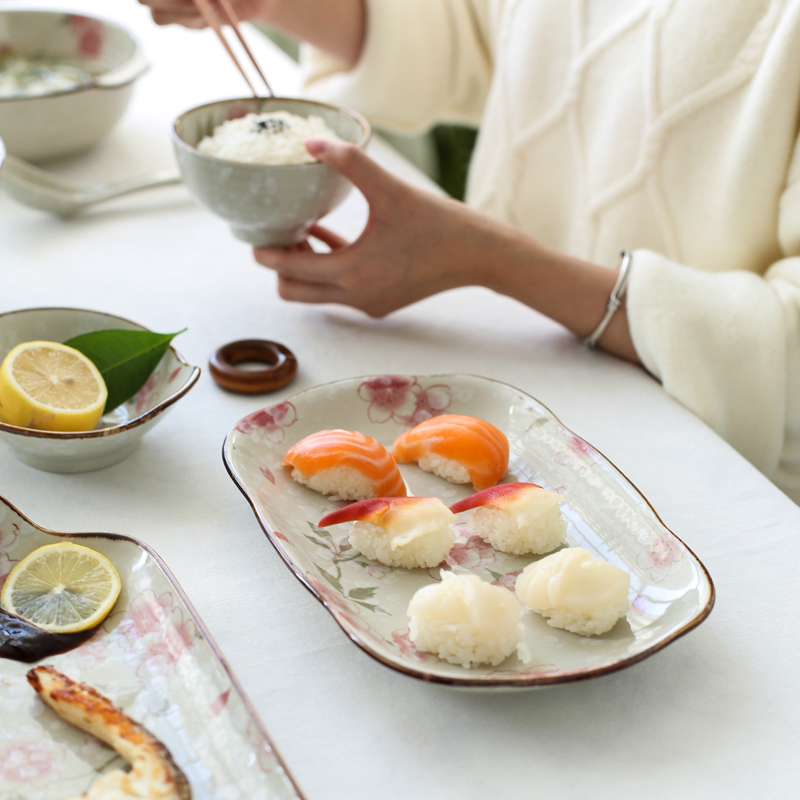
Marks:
<point>424,61</point>
<point>727,345</point>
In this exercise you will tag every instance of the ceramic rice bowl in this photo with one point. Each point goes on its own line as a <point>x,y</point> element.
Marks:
<point>265,204</point>
<point>66,122</point>
<point>119,432</point>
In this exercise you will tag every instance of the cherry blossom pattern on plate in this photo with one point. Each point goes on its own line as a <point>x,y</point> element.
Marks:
<point>270,422</point>
<point>156,629</point>
<point>402,640</point>
<point>659,556</point>
<point>509,580</point>
<point>471,553</point>
<point>339,606</point>
<point>578,454</point>
<point>329,554</point>
<point>403,400</point>
<point>148,395</point>
<point>32,763</point>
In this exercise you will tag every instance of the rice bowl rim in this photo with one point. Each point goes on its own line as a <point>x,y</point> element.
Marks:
<point>359,119</point>
<point>137,56</point>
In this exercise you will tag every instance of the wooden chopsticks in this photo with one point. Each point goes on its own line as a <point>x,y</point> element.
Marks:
<point>212,19</point>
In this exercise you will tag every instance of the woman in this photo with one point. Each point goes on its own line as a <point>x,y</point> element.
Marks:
<point>668,128</point>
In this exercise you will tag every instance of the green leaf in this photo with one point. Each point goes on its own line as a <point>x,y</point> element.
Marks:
<point>125,359</point>
<point>361,593</point>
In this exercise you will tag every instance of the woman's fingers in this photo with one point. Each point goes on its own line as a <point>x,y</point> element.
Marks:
<point>373,180</point>
<point>299,263</point>
<point>328,237</point>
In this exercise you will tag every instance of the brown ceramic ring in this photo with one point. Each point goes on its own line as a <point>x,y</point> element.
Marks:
<point>280,372</point>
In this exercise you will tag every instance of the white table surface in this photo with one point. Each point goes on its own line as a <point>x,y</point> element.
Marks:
<point>715,714</point>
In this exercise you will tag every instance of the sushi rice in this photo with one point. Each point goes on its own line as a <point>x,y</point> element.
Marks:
<point>575,591</point>
<point>465,620</point>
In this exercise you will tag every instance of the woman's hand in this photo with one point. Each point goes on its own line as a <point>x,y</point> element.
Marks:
<point>336,26</point>
<point>416,244</point>
<point>184,12</point>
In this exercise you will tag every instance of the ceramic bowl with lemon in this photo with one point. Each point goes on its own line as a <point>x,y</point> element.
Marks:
<point>53,402</point>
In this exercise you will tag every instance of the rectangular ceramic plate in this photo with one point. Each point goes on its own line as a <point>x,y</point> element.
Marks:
<point>154,658</point>
<point>671,591</point>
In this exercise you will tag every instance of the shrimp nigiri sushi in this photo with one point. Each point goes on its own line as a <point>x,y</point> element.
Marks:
<point>399,531</point>
<point>345,464</point>
<point>516,517</point>
<point>458,448</point>
<point>575,591</point>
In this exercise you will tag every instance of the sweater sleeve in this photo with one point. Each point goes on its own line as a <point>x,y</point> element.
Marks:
<point>423,61</point>
<point>727,345</point>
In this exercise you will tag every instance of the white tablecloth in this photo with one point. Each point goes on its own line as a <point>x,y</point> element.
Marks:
<point>715,714</point>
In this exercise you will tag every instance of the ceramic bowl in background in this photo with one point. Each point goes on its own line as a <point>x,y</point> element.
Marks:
<point>119,432</point>
<point>49,126</point>
<point>265,204</point>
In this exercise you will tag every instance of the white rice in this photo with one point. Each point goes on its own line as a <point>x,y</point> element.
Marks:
<point>465,620</point>
<point>275,137</point>
<point>542,534</point>
<point>575,591</point>
<point>427,550</point>
<point>342,483</point>
<point>446,468</point>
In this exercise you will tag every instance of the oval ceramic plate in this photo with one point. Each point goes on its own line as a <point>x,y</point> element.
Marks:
<point>671,591</point>
<point>153,657</point>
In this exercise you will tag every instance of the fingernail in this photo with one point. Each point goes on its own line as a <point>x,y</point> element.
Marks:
<point>317,146</point>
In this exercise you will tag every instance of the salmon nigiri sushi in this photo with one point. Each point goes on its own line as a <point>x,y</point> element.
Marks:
<point>516,518</point>
<point>458,448</point>
<point>345,464</point>
<point>399,531</point>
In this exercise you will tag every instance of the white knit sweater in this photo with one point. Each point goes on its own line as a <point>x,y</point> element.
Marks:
<point>668,127</point>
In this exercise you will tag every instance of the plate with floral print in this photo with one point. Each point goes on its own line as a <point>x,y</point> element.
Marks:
<point>153,657</point>
<point>671,591</point>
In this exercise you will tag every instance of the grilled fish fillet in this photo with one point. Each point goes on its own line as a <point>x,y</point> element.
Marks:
<point>154,775</point>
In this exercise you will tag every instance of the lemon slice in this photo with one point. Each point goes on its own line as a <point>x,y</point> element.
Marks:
<point>62,587</point>
<point>50,387</point>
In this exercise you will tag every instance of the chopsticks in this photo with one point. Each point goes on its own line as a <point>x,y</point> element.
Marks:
<point>212,19</point>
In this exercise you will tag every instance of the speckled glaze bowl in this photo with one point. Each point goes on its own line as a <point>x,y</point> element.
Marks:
<point>265,204</point>
<point>59,124</point>
<point>119,432</point>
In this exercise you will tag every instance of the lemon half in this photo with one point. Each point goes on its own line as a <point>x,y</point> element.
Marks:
<point>62,587</point>
<point>50,387</point>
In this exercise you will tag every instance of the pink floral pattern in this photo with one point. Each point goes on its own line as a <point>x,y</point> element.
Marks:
<point>659,556</point>
<point>578,454</point>
<point>509,580</point>
<point>474,553</point>
<point>89,35</point>
<point>402,640</point>
<point>344,609</point>
<point>31,763</point>
<point>147,396</point>
<point>403,400</point>
<point>156,625</point>
<point>272,422</point>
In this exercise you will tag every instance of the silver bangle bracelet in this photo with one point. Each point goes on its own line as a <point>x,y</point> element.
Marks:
<point>614,301</point>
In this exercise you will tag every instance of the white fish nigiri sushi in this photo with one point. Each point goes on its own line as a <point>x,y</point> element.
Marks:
<point>465,620</point>
<point>456,447</point>
<point>346,464</point>
<point>575,591</point>
<point>399,531</point>
<point>516,517</point>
